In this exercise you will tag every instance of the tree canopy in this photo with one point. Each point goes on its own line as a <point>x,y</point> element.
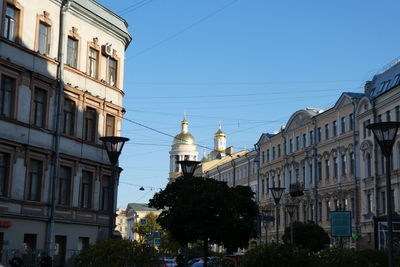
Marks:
<point>196,208</point>
<point>307,235</point>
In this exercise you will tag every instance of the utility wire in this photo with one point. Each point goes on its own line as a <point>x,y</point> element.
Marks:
<point>212,14</point>
<point>134,7</point>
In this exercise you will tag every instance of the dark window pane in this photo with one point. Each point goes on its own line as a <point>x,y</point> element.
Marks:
<point>86,190</point>
<point>68,117</point>
<point>72,52</point>
<point>6,95</point>
<point>40,107</point>
<point>35,179</point>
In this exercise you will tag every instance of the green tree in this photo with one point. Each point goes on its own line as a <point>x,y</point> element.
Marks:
<point>307,235</point>
<point>118,253</point>
<point>196,208</point>
<point>146,230</point>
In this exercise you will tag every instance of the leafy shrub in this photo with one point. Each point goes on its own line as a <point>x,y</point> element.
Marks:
<point>277,256</point>
<point>333,257</point>
<point>307,235</point>
<point>117,253</point>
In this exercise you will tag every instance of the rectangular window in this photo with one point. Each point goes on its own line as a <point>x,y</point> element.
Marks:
<point>262,187</point>
<point>319,211</point>
<point>72,52</point>
<point>90,124</point>
<point>319,167</point>
<point>44,38</point>
<point>311,173</point>
<point>93,62</point>
<point>343,125</point>
<point>328,210</point>
<point>34,179</point>
<point>369,203</point>
<point>105,192</point>
<point>68,123</point>
<point>83,243</point>
<point>351,121</point>
<point>397,113</point>
<point>297,142</point>
<point>64,185</point>
<point>4,172</point>
<point>327,168</point>
<point>273,153</point>
<point>335,167</point>
<point>352,162</point>
<point>30,241</point>
<point>326,131</point>
<point>262,157</point>
<point>267,155</point>
<point>290,145</point>
<point>6,95</point>
<point>40,107</point>
<point>388,115</point>
<point>279,150</point>
<point>304,140</point>
<point>343,164</point>
<point>86,190</point>
<point>319,133</point>
<point>311,137</point>
<point>110,125</point>
<point>379,118</point>
<point>368,165</point>
<point>112,71</point>
<point>334,128</point>
<point>383,201</point>
<point>10,23</point>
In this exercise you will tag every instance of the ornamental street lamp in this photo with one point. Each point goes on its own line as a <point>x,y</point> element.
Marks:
<point>265,218</point>
<point>385,134</point>
<point>188,167</point>
<point>113,145</point>
<point>291,209</point>
<point>277,194</point>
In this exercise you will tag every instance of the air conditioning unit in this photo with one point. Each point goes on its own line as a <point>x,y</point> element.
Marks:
<point>107,49</point>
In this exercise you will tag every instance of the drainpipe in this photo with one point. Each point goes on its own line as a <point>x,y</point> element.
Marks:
<point>234,172</point>
<point>315,172</point>
<point>376,182</point>
<point>355,150</point>
<point>65,5</point>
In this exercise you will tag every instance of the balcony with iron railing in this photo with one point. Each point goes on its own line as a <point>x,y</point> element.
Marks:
<point>296,189</point>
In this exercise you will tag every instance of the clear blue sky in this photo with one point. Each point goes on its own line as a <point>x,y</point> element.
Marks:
<point>247,63</point>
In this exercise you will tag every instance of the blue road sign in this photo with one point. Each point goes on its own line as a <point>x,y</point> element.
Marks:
<point>341,223</point>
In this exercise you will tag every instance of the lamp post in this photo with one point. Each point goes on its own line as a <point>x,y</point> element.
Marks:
<point>291,209</point>
<point>266,218</point>
<point>113,145</point>
<point>277,194</point>
<point>188,167</point>
<point>385,134</point>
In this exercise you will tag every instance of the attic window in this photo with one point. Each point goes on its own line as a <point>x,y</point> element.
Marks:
<point>384,86</point>
<point>396,80</point>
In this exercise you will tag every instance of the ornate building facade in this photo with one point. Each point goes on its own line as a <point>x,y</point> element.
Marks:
<point>61,76</point>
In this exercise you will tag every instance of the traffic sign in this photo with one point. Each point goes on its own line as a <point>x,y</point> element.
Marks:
<point>341,223</point>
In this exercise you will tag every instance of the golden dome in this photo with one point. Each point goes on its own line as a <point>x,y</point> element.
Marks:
<point>184,138</point>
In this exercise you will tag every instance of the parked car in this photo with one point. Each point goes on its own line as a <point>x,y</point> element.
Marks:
<point>169,263</point>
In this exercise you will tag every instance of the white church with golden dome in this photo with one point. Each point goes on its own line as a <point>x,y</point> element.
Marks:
<point>183,148</point>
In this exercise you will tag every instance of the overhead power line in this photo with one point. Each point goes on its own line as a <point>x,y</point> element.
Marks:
<point>134,7</point>
<point>210,15</point>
